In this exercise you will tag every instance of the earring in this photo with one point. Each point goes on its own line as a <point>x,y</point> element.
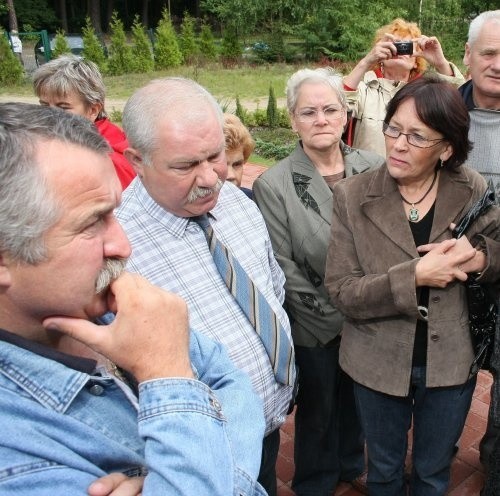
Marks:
<point>441,165</point>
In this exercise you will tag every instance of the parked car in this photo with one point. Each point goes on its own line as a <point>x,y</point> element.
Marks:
<point>75,42</point>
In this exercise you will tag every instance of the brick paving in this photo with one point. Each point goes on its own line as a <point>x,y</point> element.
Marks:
<point>466,472</point>
<point>467,475</point>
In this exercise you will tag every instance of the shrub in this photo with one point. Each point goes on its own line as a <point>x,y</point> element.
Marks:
<point>274,143</point>
<point>284,118</point>
<point>267,149</point>
<point>61,45</point>
<point>28,28</point>
<point>240,111</point>
<point>120,54</point>
<point>11,70</point>
<point>167,51</point>
<point>260,118</point>
<point>142,60</point>
<point>230,51</point>
<point>272,109</point>
<point>92,47</point>
<point>188,44</point>
<point>116,115</point>
<point>206,43</point>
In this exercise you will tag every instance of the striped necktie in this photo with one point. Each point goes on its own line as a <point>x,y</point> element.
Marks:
<point>254,305</point>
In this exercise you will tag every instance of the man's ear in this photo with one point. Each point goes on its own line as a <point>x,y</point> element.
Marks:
<point>467,55</point>
<point>5,275</point>
<point>135,158</point>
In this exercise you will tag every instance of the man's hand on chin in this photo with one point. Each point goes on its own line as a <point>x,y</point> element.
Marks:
<point>149,336</point>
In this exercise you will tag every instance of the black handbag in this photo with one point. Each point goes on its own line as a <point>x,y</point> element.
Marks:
<point>481,300</point>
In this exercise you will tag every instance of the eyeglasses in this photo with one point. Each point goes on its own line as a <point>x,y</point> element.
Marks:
<point>413,139</point>
<point>311,114</point>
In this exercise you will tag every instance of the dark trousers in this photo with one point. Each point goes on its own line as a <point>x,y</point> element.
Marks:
<point>329,444</point>
<point>438,416</point>
<point>267,473</point>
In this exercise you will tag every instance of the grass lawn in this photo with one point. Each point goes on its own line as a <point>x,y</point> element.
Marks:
<point>249,83</point>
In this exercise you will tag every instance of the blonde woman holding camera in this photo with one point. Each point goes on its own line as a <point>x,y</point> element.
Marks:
<point>400,53</point>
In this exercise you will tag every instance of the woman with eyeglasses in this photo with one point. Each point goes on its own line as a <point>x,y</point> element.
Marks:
<point>295,198</point>
<point>396,274</point>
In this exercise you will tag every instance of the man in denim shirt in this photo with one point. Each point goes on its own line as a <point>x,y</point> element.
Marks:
<point>68,387</point>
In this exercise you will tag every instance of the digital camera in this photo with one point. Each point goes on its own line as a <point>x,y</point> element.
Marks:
<point>404,47</point>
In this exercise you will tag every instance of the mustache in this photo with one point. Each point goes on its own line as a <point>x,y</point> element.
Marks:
<point>112,269</point>
<point>197,192</point>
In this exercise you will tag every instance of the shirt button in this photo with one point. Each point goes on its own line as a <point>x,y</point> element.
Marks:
<point>215,404</point>
<point>434,337</point>
<point>96,390</point>
<point>436,299</point>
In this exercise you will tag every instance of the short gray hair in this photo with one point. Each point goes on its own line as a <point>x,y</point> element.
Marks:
<point>168,98</point>
<point>27,206</point>
<point>69,73</point>
<point>478,22</point>
<point>325,75</point>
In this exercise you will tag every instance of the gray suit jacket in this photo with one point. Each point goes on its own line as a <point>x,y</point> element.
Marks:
<point>296,204</point>
<point>370,276</point>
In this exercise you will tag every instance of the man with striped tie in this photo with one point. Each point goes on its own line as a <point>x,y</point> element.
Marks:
<point>201,237</point>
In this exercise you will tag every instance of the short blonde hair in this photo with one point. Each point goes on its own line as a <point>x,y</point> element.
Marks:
<point>237,135</point>
<point>404,30</point>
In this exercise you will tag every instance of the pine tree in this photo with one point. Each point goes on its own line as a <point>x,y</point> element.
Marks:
<point>120,54</point>
<point>11,70</point>
<point>188,44</point>
<point>167,51</point>
<point>207,43</point>
<point>141,49</point>
<point>240,111</point>
<point>92,47</point>
<point>272,109</point>
<point>230,48</point>
<point>61,45</point>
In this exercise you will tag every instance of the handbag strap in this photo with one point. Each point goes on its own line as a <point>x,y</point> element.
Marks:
<point>478,209</point>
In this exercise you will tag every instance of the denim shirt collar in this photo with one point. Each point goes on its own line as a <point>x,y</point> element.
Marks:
<point>47,380</point>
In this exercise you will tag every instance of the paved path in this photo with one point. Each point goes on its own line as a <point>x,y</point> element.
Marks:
<point>119,103</point>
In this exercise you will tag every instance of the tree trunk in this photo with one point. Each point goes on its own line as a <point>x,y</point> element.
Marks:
<point>12,16</point>
<point>145,13</point>
<point>63,14</point>
<point>109,12</point>
<point>94,10</point>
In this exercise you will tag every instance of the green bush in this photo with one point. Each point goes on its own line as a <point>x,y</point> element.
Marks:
<point>167,51</point>
<point>206,43</point>
<point>240,111</point>
<point>116,115</point>
<point>275,143</point>
<point>272,110</point>
<point>142,59</point>
<point>92,47</point>
<point>120,54</point>
<point>188,44</point>
<point>28,28</point>
<point>284,118</point>
<point>61,45</point>
<point>267,149</point>
<point>230,51</point>
<point>11,70</point>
